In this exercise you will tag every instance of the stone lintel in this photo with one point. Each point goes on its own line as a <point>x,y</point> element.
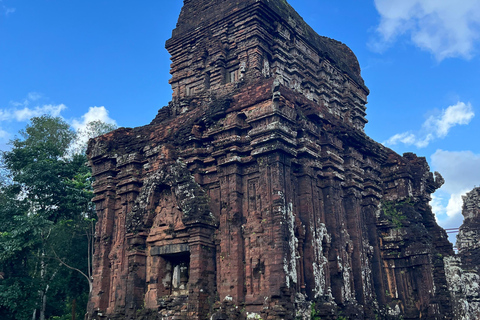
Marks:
<point>170,249</point>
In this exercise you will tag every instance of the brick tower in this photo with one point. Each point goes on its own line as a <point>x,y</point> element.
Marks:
<point>255,194</point>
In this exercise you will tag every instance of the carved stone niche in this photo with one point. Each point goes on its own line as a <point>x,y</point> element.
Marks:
<point>173,267</point>
<point>172,214</point>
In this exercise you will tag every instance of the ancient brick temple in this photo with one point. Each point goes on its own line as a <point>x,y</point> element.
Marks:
<point>463,270</point>
<point>255,194</point>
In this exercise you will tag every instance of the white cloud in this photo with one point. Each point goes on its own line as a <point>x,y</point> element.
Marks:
<point>22,111</point>
<point>31,97</point>
<point>26,113</point>
<point>405,138</point>
<point>34,96</point>
<point>7,10</point>
<point>80,125</point>
<point>459,114</point>
<point>446,28</point>
<point>436,126</point>
<point>461,171</point>
<point>437,204</point>
<point>4,135</point>
<point>94,113</point>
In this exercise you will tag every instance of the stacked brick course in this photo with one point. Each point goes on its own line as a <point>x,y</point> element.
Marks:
<point>255,193</point>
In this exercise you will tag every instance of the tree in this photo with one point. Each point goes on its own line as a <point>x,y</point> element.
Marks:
<point>91,130</point>
<point>46,220</point>
<point>18,239</point>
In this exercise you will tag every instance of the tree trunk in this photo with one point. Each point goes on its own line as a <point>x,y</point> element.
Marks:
<point>44,304</point>
<point>74,308</point>
<point>43,294</point>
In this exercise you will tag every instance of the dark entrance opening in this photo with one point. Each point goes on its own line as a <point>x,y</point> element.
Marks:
<point>178,268</point>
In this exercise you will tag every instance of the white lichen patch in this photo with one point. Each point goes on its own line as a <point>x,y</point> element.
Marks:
<point>303,308</point>
<point>320,235</point>
<point>290,261</point>
<point>394,312</point>
<point>346,269</point>
<point>378,212</point>
<point>253,315</point>
<point>347,285</point>
<point>367,269</point>
<point>467,239</point>
<point>465,289</point>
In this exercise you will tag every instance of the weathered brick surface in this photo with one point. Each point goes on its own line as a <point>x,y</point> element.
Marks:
<point>255,192</point>
<point>463,270</point>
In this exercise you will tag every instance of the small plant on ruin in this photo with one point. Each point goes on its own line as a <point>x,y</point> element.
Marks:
<point>314,315</point>
<point>393,213</point>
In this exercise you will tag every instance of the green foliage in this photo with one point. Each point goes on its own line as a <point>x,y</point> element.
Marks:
<point>39,165</point>
<point>45,138</point>
<point>18,237</point>
<point>92,129</point>
<point>65,310</point>
<point>46,223</point>
<point>393,211</point>
<point>16,301</point>
<point>314,314</point>
<point>96,128</point>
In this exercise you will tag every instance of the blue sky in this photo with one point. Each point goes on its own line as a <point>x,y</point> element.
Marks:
<point>104,59</point>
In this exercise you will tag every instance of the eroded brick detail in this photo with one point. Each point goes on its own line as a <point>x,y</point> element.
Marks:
<point>463,270</point>
<point>255,193</point>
